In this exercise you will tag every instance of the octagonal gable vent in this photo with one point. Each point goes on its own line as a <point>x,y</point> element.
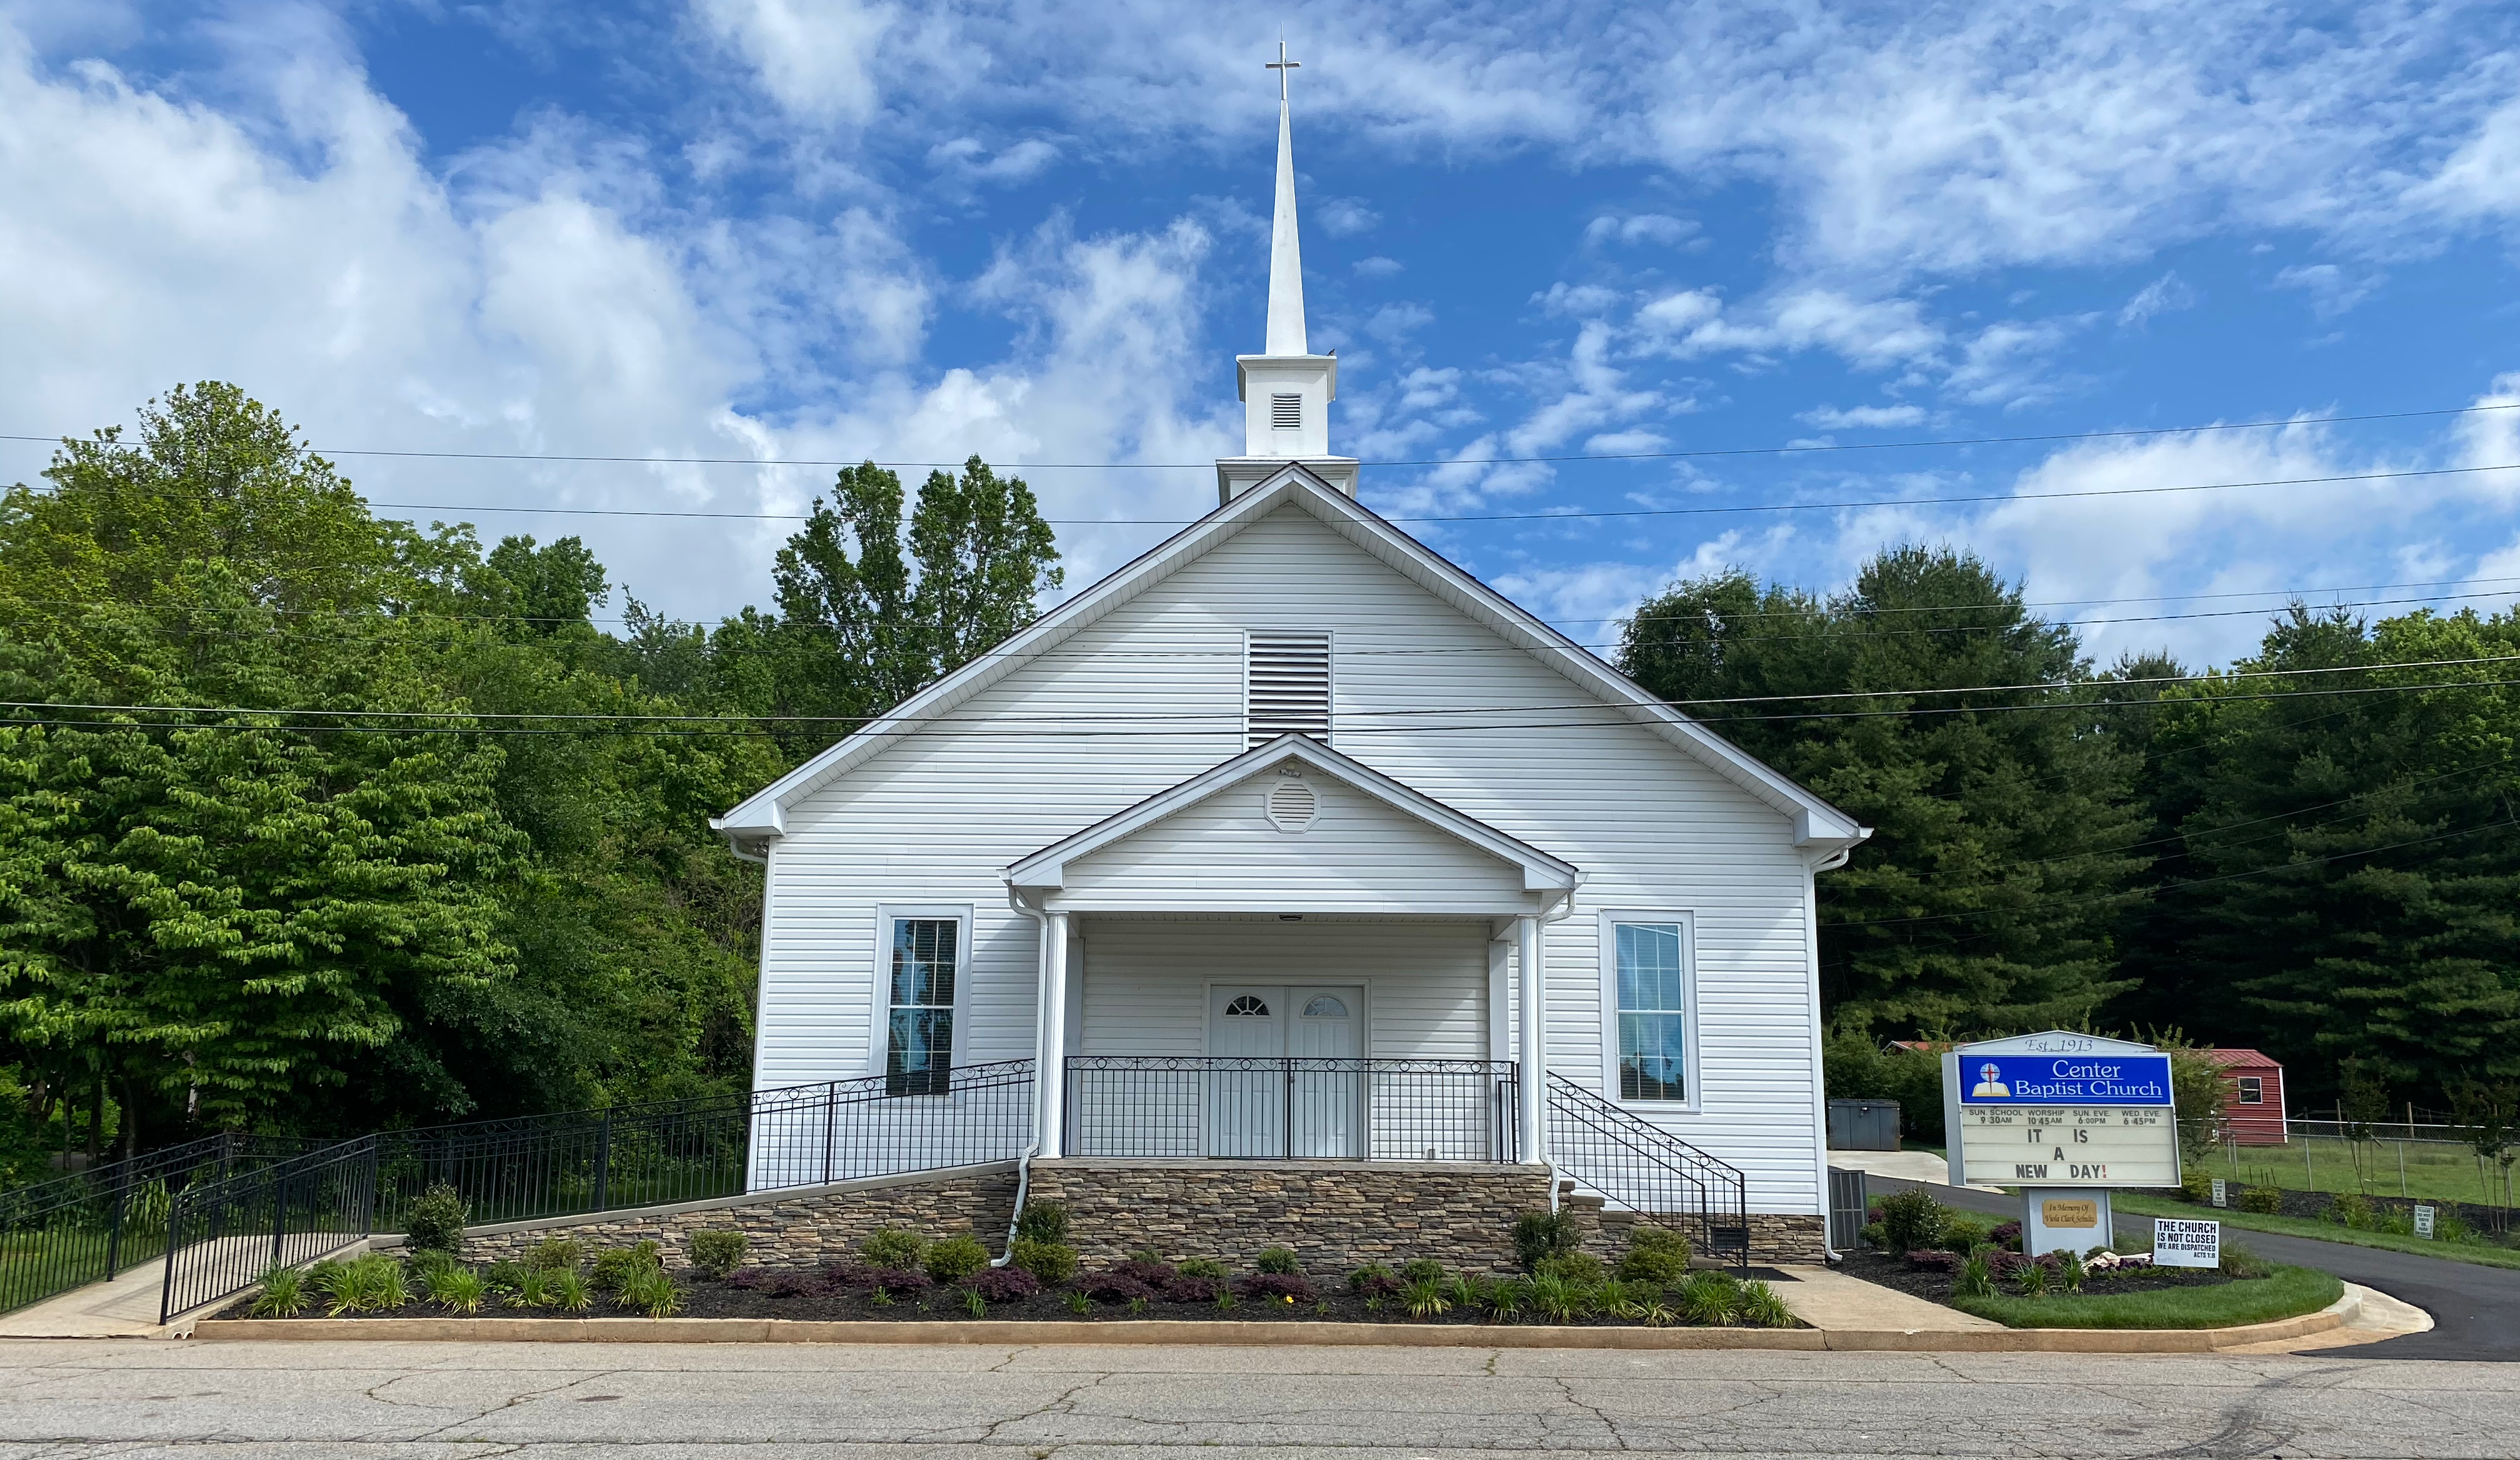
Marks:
<point>1291,805</point>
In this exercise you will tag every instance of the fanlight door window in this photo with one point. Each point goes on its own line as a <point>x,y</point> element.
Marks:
<point>1273,1106</point>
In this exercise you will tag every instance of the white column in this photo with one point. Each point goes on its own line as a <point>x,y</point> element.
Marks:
<point>1052,1067</point>
<point>1534,1130</point>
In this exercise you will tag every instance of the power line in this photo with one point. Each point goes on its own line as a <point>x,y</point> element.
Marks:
<point>1792,448</point>
<point>1518,517</point>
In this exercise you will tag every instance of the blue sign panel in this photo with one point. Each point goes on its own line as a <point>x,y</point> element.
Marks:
<point>2070,1079</point>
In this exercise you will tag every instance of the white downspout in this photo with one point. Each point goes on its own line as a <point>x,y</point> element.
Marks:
<point>1040,1008</point>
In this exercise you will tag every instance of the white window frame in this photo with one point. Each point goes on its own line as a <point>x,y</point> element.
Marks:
<point>2240,1090</point>
<point>1691,1079</point>
<point>879,987</point>
<point>1329,686</point>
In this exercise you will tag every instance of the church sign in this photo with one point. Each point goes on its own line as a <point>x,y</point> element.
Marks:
<point>2080,1111</point>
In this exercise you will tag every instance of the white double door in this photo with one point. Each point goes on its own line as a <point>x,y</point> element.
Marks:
<point>1283,1107</point>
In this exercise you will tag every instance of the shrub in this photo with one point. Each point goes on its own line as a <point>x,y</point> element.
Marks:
<point>459,1290</point>
<point>1538,1234</point>
<point>1423,1297</point>
<point>955,1258</point>
<point>283,1295</point>
<point>553,1254</point>
<point>1279,1261</point>
<point>651,1292</point>
<point>1006,1283</point>
<point>1041,1221</point>
<point>1053,1262</point>
<point>719,1252</point>
<point>2002,1263</point>
<point>1194,1288</point>
<point>370,1283</point>
<point>2007,1235</point>
<point>2264,1201</point>
<point>1976,1277</point>
<point>616,1266</point>
<point>1373,1280</point>
<point>1622,1299</point>
<point>2240,1263</point>
<point>570,1293</point>
<point>1655,1255</point>
<point>894,1247</point>
<point>534,1288</point>
<point>419,1263</point>
<point>2350,1210</point>
<point>1938,1259</point>
<point>1112,1286</point>
<point>1422,1270</point>
<point>1963,1234</point>
<point>1912,1219</point>
<point>435,1223</point>
<point>1203,1268</point>
<point>504,1276</point>
<point>1875,1236</point>
<point>2448,1228</point>
<point>898,1282</point>
<point>855,1275</point>
<point>1275,1287</point>
<point>1581,1269</point>
<point>1761,1307</point>
<point>2029,1280</point>
<point>1708,1299</point>
<point>2196,1184</point>
<point>1154,1273</point>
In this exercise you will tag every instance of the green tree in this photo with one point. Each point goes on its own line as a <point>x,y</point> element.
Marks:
<point>1920,701</point>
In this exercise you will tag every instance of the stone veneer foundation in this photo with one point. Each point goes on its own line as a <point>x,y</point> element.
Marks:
<point>1335,1214</point>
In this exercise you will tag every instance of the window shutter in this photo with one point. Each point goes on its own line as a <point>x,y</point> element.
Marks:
<point>1286,412</point>
<point>1287,688</point>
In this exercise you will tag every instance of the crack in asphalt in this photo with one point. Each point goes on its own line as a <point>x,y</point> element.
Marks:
<point>510,1402</point>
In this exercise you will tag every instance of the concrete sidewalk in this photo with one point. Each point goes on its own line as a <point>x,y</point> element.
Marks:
<point>126,1307</point>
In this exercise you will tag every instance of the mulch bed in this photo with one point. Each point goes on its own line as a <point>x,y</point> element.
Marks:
<point>808,1294</point>
<point>1892,1271</point>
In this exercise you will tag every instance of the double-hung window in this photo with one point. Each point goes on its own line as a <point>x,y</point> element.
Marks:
<point>923,973</point>
<point>2253,1089</point>
<point>1649,1006</point>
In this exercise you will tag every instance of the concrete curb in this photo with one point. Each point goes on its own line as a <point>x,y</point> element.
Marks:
<point>1165,1331</point>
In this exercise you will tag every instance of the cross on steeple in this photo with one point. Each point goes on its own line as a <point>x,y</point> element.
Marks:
<point>1281,66</point>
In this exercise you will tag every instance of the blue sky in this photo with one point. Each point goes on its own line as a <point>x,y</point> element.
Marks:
<point>779,229</point>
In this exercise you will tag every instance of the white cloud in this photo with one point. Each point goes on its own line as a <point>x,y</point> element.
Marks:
<point>968,158</point>
<point>1862,417</point>
<point>2484,175</point>
<point>1870,334</point>
<point>2162,295</point>
<point>2004,364</point>
<point>1341,218</point>
<point>2490,437</point>
<point>818,58</point>
<point>1640,228</point>
<point>2332,291</point>
<point>1376,267</point>
<point>1393,323</point>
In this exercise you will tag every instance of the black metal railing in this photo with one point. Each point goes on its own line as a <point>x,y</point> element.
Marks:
<point>807,1135</point>
<point>1283,1109</point>
<point>223,1236</point>
<point>88,1226</point>
<point>1648,1170</point>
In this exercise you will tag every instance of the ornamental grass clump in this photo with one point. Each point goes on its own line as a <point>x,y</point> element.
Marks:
<point>1502,1301</point>
<point>282,1295</point>
<point>1655,1255</point>
<point>1622,1298</point>
<point>1559,1299</point>
<point>1422,1270</point>
<point>1708,1299</point>
<point>614,1267</point>
<point>570,1290</point>
<point>2070,1272</point>
<point>435,1221</point>
<point>955,1258</point>
<point>534,1288</point>
<point>1976,1275</point>
<point>458,1290</point>
<point>651,1292</point>
<point>2031,1280</point>
<point>1758,1306</point>
<point>1423,1297</point>
<point>718,1252</point>
<point>894,1247</point>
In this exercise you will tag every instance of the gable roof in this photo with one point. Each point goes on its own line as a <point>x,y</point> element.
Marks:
<point>1817,825</point>
<point>2241,1059</point>
<point>1540,872</point>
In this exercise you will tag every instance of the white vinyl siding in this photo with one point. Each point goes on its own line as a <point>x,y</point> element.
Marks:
<point>1476,724</point>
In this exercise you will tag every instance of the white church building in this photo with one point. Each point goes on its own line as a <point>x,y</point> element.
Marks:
<point>1291,857</point>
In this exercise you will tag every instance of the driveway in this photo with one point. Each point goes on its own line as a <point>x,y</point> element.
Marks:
<point>68,1400</point>
<point>2476,1310</point>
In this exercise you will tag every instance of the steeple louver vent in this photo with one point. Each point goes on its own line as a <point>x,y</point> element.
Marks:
<point>1287,686</point>
<point>1286,413</point>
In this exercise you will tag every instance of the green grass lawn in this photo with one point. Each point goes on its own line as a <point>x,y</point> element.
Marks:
<point>2420,1170</point>
<point>2484,1254</point>
<point>2286,1293</point>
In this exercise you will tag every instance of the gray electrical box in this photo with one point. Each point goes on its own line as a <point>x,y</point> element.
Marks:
<point>1863,1125</point>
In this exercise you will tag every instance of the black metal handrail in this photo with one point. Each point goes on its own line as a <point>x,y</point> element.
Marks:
<point>1648,1170</point>
<point>72,1230</point>
<point>1271,1108</point>
<point>223,1236</point>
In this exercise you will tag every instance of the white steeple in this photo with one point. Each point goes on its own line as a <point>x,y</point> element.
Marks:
<point>1288,390</point>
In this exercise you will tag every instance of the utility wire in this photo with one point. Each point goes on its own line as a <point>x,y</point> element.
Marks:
<point>1519,517</point>
<point>1795,448</point>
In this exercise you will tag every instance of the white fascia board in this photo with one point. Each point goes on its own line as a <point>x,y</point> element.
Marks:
<point>1818,826</point>
<point>1048,867</point>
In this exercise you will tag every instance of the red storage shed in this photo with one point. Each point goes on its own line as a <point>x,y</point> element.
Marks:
<point>2254,1097</point>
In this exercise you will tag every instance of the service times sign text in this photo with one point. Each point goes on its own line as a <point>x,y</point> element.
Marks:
<point>2082,1119</point>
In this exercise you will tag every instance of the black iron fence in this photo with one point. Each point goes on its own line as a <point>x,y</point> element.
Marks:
<point>806,1135</point>
<point>74,1230</point>
<point>1647,1169</point>
<point>223,1236</point>
<point>1280,1108</point>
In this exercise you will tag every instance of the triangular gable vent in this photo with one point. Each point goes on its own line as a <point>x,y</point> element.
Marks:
<point>1287,686</point>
